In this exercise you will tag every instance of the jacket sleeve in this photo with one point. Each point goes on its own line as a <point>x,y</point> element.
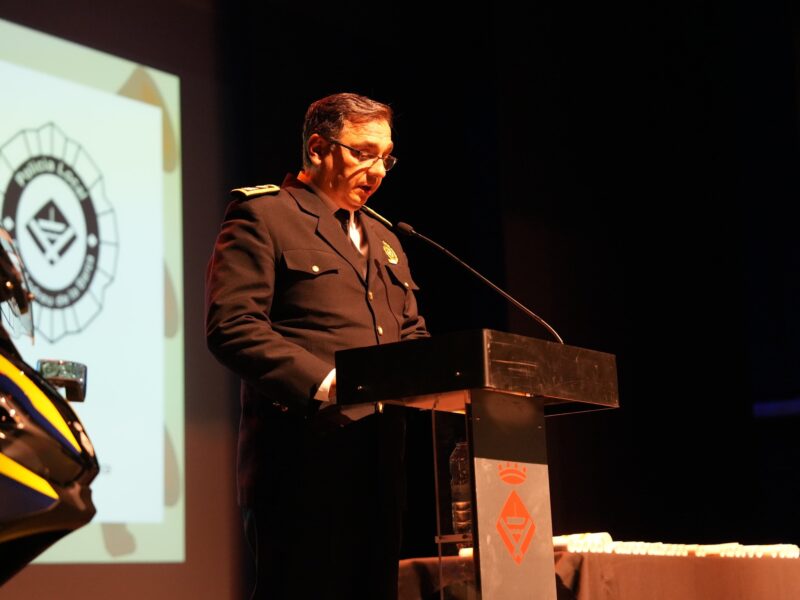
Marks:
<point>240,286</point>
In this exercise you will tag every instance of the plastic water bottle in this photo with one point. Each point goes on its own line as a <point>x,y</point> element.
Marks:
<point>460,491</point>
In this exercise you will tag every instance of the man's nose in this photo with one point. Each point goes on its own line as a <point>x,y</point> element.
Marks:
<point>377,168</point>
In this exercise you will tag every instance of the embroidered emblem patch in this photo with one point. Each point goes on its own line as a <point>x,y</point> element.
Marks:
<point>390,253</point>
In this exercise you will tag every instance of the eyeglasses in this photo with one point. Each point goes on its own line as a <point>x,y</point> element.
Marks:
<point>389,161</point>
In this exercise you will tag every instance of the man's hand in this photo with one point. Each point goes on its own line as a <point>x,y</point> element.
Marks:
<point>349,413</point>
<point>354,412</point>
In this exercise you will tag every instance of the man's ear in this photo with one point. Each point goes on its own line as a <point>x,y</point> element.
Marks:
<point>317,148</point>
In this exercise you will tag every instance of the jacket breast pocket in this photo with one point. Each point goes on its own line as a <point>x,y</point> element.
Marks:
<point>401,277</point>
<point>399,287</point>
<point>310,263</point>
<point>306,284</point>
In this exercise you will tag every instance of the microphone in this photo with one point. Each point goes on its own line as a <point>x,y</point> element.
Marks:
<point>409,231</point>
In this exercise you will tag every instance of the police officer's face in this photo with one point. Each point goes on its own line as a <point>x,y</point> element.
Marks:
<point>347,180</point>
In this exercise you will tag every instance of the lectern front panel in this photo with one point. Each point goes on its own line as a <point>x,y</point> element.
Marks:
<point>513,537</point>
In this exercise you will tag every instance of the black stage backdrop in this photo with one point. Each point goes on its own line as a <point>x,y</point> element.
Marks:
<point>628,172</point>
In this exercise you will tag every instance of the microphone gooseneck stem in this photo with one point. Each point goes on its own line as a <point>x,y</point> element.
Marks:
<point>406,229</point>
<point>377,216</point>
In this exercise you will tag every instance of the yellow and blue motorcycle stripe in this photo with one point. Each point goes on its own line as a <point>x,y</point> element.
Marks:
<point>14,470</point>
<point>24,493</point>
<point>13,381</point>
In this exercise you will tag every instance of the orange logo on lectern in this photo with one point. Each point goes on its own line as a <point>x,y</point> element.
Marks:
<point>512,473</point>
<point>515,525</point>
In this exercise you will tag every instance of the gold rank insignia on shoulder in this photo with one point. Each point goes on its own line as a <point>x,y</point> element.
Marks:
<point>390,253</point>
<point>255,191</point>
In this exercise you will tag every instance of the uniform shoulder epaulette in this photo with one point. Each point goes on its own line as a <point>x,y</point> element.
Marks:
<point>255,191</point>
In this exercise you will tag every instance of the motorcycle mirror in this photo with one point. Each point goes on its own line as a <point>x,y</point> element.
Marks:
<point>65,374</point>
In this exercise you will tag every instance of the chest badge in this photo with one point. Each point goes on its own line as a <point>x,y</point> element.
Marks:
<point>390,253</point>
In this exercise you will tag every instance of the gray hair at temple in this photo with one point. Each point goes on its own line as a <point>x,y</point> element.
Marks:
<point>326,116</point>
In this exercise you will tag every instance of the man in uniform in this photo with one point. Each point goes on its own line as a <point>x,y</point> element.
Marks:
<point>297,273</point>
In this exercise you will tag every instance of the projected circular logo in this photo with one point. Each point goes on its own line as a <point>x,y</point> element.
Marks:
<point>55,208</point>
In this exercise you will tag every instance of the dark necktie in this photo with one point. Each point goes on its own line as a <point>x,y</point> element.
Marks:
<point>343,216</point>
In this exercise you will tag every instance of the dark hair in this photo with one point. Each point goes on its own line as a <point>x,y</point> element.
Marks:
<point>326,116</point>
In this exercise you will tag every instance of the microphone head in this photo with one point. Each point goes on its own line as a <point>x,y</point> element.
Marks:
<point>405,228</point>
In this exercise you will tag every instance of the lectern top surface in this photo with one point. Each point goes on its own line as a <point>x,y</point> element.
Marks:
<point>568,378</point>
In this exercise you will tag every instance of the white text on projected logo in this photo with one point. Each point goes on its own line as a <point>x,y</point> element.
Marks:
<point>55,208</point>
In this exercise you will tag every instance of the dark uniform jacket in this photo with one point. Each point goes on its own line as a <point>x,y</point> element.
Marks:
<point>285,290</point>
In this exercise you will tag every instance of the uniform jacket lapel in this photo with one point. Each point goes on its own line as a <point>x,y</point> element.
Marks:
<point>328,228</point>
<point>375,245</point>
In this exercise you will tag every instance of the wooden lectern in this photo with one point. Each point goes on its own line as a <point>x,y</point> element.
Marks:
<point>505,384</point>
